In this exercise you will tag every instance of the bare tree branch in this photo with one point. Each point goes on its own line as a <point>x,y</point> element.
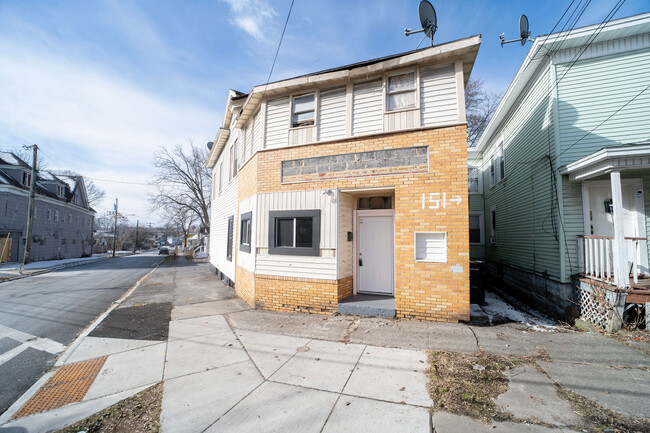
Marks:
<point>182,185</point>
<point>479,107</point>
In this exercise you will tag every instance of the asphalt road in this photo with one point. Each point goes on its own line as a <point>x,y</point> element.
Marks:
<point>41,315</point>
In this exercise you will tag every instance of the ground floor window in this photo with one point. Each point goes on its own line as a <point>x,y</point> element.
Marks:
<point>245,232</point>
<point>476,228</point>
<point>294,232</point>
<point>231,227</point>
<point>493,225</point>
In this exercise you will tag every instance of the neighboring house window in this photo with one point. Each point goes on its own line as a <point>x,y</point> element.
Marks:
<point>476,228</point>
<point>493,226</point>
<point>303,110</point>
<point>493,167</point>
<point>400,91</point>
<point>474,179</point>
<point>233,161</point>
<point>49,215</point>
<point>63,241</point>
<point>56,215</point>
<point>60,191</point>
<point>501,162</point>
<point>27,179</point>
<point>74,242</point>
<point>231,222</point>
<point>245,232</point>
<point>294,232</point>
<point>70,218</point>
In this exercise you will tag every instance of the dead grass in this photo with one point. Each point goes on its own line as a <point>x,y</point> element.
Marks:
<point>137,414</point>
<point>467,384</point>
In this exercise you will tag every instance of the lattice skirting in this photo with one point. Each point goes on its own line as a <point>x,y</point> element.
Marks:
<point>593,304</point>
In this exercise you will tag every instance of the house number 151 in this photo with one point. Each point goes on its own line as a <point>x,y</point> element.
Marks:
<point>434,200</point>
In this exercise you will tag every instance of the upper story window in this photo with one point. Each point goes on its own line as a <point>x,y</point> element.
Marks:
<point>501,162</point>
<point>60,190</point>
<point>220,174</point>
<point>303,110</point>
<point>474,179</point>
<point>56,216</point>
<point>233,161</point>
<point>401,91</point>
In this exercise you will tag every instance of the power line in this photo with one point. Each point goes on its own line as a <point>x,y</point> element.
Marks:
<point>277,51</point>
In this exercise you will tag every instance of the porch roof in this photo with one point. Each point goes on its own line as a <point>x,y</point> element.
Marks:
<point>625,157</point>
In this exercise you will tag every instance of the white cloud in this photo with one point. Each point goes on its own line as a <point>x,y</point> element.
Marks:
<point>252,16</point>
<point>91,121</point>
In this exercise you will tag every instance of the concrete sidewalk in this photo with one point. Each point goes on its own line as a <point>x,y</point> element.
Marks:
<point>227,367</point>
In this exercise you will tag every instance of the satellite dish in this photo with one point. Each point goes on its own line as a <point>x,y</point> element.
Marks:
<point>523,29</point>
<point>428,20</point>
<point>524,33</point>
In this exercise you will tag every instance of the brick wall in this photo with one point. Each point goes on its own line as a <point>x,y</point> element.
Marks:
<point>430,291</point>
<point>245,285</point>
<point>344,288</point>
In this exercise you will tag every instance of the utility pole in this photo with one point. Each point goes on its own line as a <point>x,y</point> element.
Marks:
<point>135,245</point>
<point>115,229</point>
<point>30,208</point>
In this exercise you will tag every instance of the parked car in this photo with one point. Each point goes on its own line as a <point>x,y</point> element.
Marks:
<point>164,251</point>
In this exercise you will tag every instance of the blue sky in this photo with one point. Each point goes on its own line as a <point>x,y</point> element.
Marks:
<point>100,85</point>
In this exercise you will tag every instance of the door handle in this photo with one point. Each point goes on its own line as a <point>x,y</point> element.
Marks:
<point>360,262</point>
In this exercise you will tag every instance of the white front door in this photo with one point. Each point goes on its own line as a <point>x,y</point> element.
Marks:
<point>600,219</point>
<point>375,252</point>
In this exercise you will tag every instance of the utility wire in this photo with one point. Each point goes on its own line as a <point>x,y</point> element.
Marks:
<point>277,51</point>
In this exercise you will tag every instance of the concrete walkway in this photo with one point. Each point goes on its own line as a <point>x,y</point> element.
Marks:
<point>226,367</point>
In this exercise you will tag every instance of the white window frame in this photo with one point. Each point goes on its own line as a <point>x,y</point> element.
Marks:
<point>27,179</point>
<point>481,225</point>
<point>234,163</point>
<point>480,179</point>
<point>56,216</point>
<point>493,175</point>
<point>493,225</point>
<point>292,113</point>
<point>220,177</point>
<point>416,72</point>
<point>49,214</point>
<point>415,247</point>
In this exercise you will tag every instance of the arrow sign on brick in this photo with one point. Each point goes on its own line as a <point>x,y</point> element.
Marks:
<point>456,200</point>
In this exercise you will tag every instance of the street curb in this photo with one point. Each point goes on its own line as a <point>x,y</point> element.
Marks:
<point>59,267</point>
<point>72,347</point>
<point>15,407</point>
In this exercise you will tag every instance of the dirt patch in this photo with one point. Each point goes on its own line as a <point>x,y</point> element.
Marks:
<point>467,384</point>
<point>137,414</point>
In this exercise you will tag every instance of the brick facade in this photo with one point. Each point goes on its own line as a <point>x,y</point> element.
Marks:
<point>423,290</point>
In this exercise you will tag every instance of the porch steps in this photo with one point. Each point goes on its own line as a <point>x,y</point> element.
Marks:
<point>368,305</point>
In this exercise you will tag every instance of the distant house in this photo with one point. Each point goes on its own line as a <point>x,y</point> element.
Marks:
<point>346,182</point>
<point>63,218</point>
<point>560,180</point>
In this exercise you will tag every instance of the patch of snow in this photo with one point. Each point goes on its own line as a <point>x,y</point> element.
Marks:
<point>499,311</point>
<point>10,158</point>
<point>201,256</point>
<point>50,263</point>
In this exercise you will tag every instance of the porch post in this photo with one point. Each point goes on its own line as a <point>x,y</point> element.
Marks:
<point>621,271</point>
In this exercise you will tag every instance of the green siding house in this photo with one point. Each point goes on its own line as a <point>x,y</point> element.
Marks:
<point>564,168</point>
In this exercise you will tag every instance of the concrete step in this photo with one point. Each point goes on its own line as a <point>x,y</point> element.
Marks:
<point>368,305</point>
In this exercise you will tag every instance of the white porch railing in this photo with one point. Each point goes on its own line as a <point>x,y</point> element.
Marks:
<point>595,258</point>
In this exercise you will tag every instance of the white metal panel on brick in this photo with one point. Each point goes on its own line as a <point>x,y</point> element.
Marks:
<point>331,114</point>
<point>367,108</point>
<point>431,247</point>
<point>345,223</point>
<point>298,200</point>
<point>438,98</point>
<point>277,122</point>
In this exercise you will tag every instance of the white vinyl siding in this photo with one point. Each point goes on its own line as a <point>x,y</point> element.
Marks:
<point>296,266</point>
<point>257,132</point>
<point>249,142</point>
<point>438,95</point>
<point>277,122</point>
<point>431,247</point>
<point>368,113</point>
<point>332,114</point>
<point>247,260</point>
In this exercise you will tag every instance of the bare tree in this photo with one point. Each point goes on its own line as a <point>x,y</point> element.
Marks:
<point>183,219</point>
<point>182,184</point>
<point>479,107</point>
<point>94,193</point>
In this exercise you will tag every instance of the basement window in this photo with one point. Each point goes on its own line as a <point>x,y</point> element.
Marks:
<point>303,110</point>
<point>245,232</point>
<point>294,232</point>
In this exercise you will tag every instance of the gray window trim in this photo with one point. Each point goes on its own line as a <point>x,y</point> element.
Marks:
<point>296,251</point>
<point>244,217</point>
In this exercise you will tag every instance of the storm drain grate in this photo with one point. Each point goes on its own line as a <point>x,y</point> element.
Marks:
<point>68,385</point>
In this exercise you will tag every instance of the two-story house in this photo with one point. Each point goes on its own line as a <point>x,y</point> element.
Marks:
<point>63,218</point>
<point>349,184</point>
<point>564,167</point>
